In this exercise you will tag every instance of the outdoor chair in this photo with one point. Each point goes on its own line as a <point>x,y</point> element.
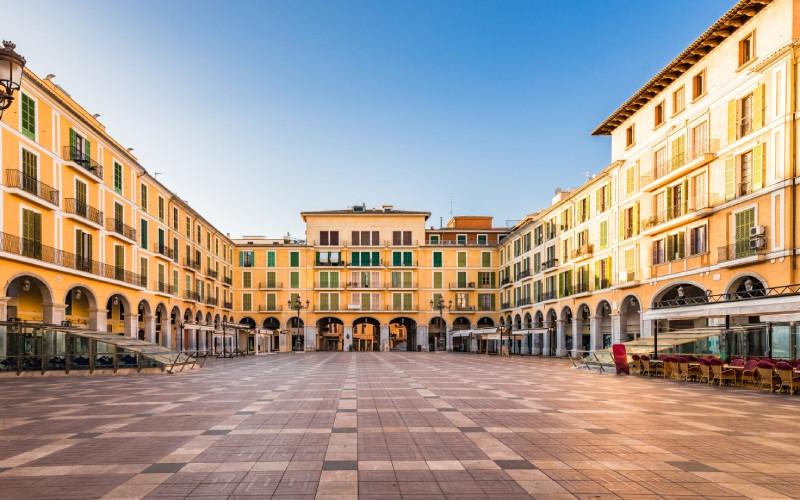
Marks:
<point>767,375</point>
<point>687,372</point>
<point>737,362</point>
<point>720,373</point>
<point>653,368</point>
<point>670,367</point>
<point>789,380</point>
<point>691,358</point>
<point>637,364</point>
<point>705,370</point>
<point>749,374</point>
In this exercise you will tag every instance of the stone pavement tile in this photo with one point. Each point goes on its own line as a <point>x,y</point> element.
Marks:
<point>375,465</point>
<point>419,488</point>
<point>544,488</point>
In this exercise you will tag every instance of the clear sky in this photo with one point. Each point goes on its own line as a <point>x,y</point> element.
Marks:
<point>256,110</point>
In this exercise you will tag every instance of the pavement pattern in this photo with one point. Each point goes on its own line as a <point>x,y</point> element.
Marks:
<point>393,425</point>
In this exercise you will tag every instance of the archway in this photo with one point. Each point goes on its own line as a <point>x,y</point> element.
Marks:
<point>239,338</point>
<point>565,332</point>
<point>330,334</point>
<point>678,295</point>
<point>603,313</point>
<point>459,343</point>
<point>746,286</point>
<point>31,300</point>
<point>175,319</point>
<point>80,301</point>
<point>629,318</point>
<point>117,306</point>
<point>437,332</point>
<point>485,322</point>
<point>538,320</point>
<point>297,327</point>
<point>583,329</point>
<point>366,334</point>
<point>145,326</point>
<point>461,323</point>
<point>528,321</point>
<point>272,323</point>
<point>162,325</point>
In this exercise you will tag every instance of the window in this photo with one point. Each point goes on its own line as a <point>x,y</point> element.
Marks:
<point>28,106</point>
<point>462,301</point>
<point>437,259</point>
<point>660,160</point>
<point>461,239</point>
<point>143,265</point>
<point>247,279</point>
<point>629,139</point>
<point>402,302</point>
<point>175,281</point>
<point>659,114</point>
<point>328,279</point>
<point>583,216</point>
<point>698,85</point>
<point>462,259</point>
<point>247,302</point>
<point>746,51</point>
<point>175,218</point>
<point>188,227</point>
<point>697,240</point>
<point>751,173</point>
<point>199,234</point>
<point>630,181</point>
<point>678,152</point>
<point>365,238</point>
<point>329,301</point>
<point>434,239</point>
<point>744,220</point>
<point>484,239</point>
<point>746,114</point>
<point>746,173</point>
<point>246,259</point>
<point>294,259</point>
<point>486,259</point>
<point>272,281</point>
<point>119,261</point>
<point>161,209</point>
<point>700,140</point>
<point>329,238</point>
<point>175,249</point>
<point>602,198</point>
<point>629,222</point>
<point>402,259</point>
<point>294,279</point>
<point>678,100</point>
<point>603,234</point>
<point>486,302</point>
<point>401,238</point>
<point>437,279</point>
<point>143,223</point>
<point>208,241</point>
<point>143,197</point>
<point>83,250</point>
<point>272,302</point>
<point>270,259</point>
<point>461,278</point>
<point>30,172</point>
<point>402,279</point>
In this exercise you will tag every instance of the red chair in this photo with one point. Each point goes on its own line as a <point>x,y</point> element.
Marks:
<point>749,374</point>
<point>737,362</point>
<point>767,375</point>
<point>719,373</point>
<point>690,358</point>
<point>620,359</point>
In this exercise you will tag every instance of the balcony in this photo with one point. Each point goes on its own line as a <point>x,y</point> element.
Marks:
<point>549,264</point>
<point>19,180</point>
<point>566,292</point>
<point>401,285</point>
<point>505,281</point>
<point>120,228</point>
<point>738,250</point>
<point>194,296</point>
<point>164,250</point>
<point>75,155</point>
<point>628,278</point>
<point>227,305</point>
<point>677,215</point>
<point>227,280</point>
<point>81,209</point>
<point>262,308</point>
<point>212,301</point>
<point>525,273</point>
<point>583,252</point>
<point>194,264</point>
<point>329,263</point>
<point>35,250</point>
<point>402,264</point>
<point>602,284</point>
<point>269,285</point>
<point>163,287</point>
<point>463,308</point>
<point>395,243</point>
<point>461,285</point>
<point>362,286</point>
<point>581,287</point>
<point>668,169</point>
<point>548,295</point>
<point>505,305</point>
<point>212,273</point>
<point>523,301</point>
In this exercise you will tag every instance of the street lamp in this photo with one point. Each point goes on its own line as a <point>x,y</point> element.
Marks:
<point>440,306</point>
<point>180,329</point>
<point>298,306</point>
<point>11,65</point>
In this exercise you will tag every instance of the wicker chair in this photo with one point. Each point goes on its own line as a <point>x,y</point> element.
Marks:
<point>705,370</point>
<point>720,374</point>
<point>652,368</point>
<point>767,375</point>
<point>789,380</point>
<point>750,373</point>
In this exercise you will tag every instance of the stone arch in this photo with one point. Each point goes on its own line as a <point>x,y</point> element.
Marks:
<point>461,323</point>
<point>485,322</point>
<point>502,321</point>
<point>118,306</point>
<point>146,325</point>
<point>330,334</point>
<point>582,340</point>
<point>403,334</point>
<point>209,319</point>
<point>630,318</point>
<point>271,323</point>
<point>247,320</point>
<point>603,315</point>
<point>739,287</point>
<point>517,322</point>
<point>669,293</point>
<point>538,319</point>
<point>527,320</point>
<point>31,298</point>
<point>198,318</point>
<point>163,325</point>
<point>366,334</point>
<point>81,308</point>
<point>216,321</point>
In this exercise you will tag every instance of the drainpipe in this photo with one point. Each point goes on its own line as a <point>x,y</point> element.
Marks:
<point>793,139</point>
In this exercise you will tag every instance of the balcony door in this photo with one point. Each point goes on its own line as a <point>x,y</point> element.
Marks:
<point>81,207</point>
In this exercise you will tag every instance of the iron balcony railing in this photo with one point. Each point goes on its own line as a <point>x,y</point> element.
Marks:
<point>461,285</point>
<point>194,264</point>
<point>227,305</point>
<point>582,251</point>
<point>119,227</point>
<point>18,179</point>
<point>675,211</point>
<point>664,164</point>
<point>549,264</point>
<point>738,250</point>
<point>164,250</point>
<point>523,301</point>
<point>756,293</point>
<point>270,308</point>
<point>192,296</point>
<point>268,285</point>
<point>164,287</point>
<point>581,287</point>
<point>75,155</point>
<point>602,283</point>
<point>463,308</point>
<point>35,250</point>
<point>505,305</point>
<point>212,301</point>
<point>523,274</point>
<point>505,281</point>
<point>548,295</point>
<point>227,280</point>
<point>403,284</point>
<point>88,212</point>
<point>338,263</point>
<point>485,307</point>
<point>212,273</point>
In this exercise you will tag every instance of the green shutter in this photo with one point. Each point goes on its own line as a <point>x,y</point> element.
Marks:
<point>669,208</point>
<point>354,259</point>
<point>397,300</point>
<point>494,298</point>
<point>603,234</point>
<point>732,105</point>
<point>407,305</point>
<point>730,178</point>
<point>295,259</point>
<point>144,233</point>
<point>597,275</point>
<point>437,279</point>
<point>486,258</point>
<point>462,279</point>
<point>396,259</point>
<point>365,301</point>
<point>407,280</point>
<point>407,259</point>
<point>270,259</point>
<point>608,195</point>
<point>317,259</point>
<point>87,149</point>
<point>73,142</point>
<point>493,275</point>
<point>323,279</point>
<point>294,277</point>
<point>376,258</point>
<point>323,301</point>
<point>270,302</point>
<point>437,259</point>
<point>28,117</point>
<point>462,259</point>
<point>241,259</point>
<point>334,301</point>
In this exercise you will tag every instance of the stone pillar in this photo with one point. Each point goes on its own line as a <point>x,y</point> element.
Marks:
<point>3,317</point>
<point>422,339</point>
<point>384,346</point>
<point>53,314</point>
<point>448,340</point>
<point>130,323</point>
<point>617,328</point>
<point>646,327</point>
<point>150,328</point>
<point>166,333</point>
<point>310,340</point>
<point>561,338</point>
<point>282,339</point>
<point>546,347</point>
<point>269,343</point>
<point>347,338</point>
<point>192,340</point>
<point>595,335</point>
<point>576,337</point>
<point>98,320</point>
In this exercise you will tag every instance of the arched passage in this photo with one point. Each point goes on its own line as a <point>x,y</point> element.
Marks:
<point>582,339</point>
<point>146,324</point>
<point>679,295</point>
<point>330,334</point>
<point>366,334</point>
<point>81,305</point>
<point>402,334</point>
<point>549,341</point>
<point>527,321</point>
<point>437,331</point>
<point>603,314</point>
<point>117,307</point>
<point>296,326</point>
<point>163,325</point>
<point>564,332</point>
<point>629,318</point>
<point>485,322</point>
<point>31,300</point>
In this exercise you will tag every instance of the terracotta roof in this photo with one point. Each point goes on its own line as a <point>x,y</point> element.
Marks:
<point>713,36</point>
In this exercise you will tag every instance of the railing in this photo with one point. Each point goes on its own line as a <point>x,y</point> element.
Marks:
<point>76,155</point>
<point>745,188</point>
<point>18,179</point>
<point>582,251</point>
<point>524,301</point>
<point>581,287</point>
<point>567,291</point>
<point>523,274</point>
<point>268,308</point>
<point>602,284</point>
<point>505,281</point>
<point>737,250</point>
<point>164,250</point>
<point>481,284</point>
<point>164,287</point>
<point>227,280</point>
<point>360,285</point>
<point>485,307</point>
<point>266,285</point>
<point>211,273</point>
<point>548,295</point>
<point>35,250</point>
<point>403,284</point>
<point>457,243</point>
<point>117,226</point>
<point>669,164</point>
<point>463,308</point>
<point>192,296</point>
<point>505,305</point>
<point>339,263</point>
<point>73,206</point>
<point>628,276</point>
<point>549,264</point>
<point>675,211</point>
<point>371,264</point>
<point>391,243</point>
<point>461,284</point>
<point>194,264</point>
<point>227,305</point>
<point>212,301</point>
<point>756,293</point>
<point>402,264</point>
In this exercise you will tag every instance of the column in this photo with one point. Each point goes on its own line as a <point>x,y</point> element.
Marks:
<point>310,341</point>
<point>422,339</point>
<point>385,338</point>
<point>561,338</point>
<point>98,320</point>
<point>282,340</point>
<point>646,327</point>
<point>130,323</point>
<point>192,340</point>
<point>347,339</point>
<point>53,314</point>
<point>448,340</point>
<point>576,337</point>
<point>546,347</point>
<point>3,317</point>
<point>166,333</point>
<point>150,328</point>
<point>595,335</point>
<point>617,328</point>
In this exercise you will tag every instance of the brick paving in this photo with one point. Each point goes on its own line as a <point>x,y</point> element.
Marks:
<point>393,425</point>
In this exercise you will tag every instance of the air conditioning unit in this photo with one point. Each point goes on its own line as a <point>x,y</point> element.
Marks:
<point>472,284</point>
<point>758,231</point>
<point>757,243</point>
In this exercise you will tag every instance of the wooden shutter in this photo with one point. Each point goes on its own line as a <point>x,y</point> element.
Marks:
<point>397,258</point>
<point>670,247</point>
<point>334,238</point>
<point>73,142</point>
<point>376,238</point>
<point>407,238</point>
<point>334,301</point>
<point>376,258</point>
<point>597,275</point>
<point>759,161</point>
<point>607,196</point>
<point>241,258</point>
<point>685,197</point>
<point>323,238</point>
<point>365,301</point>
<point>355,259</point>
<point>323,279</point>
<point>621,225</point>
<point>144,233</point>
<point>397,238</point>
<point>758,107</point>
<point>323,301</point>
<point>407,259</point>
<point>397,301</point>
<point>334,279</point>
<point>437,279</point>
<point>635,217</point>
<point>681,245</point>
<point>270,259</point>
<point>365,238</point>
<point>730,178</point>
<point>598,196</point>
<point>437,259</point>
<point>355,239</point>
<point>603,234</point>
<point>732,105</point>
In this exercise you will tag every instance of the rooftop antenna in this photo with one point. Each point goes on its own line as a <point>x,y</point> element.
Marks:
<point>586,175</point>
<point>156,174</point>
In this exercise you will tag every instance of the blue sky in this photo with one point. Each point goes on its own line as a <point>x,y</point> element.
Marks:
<point>255,111</point>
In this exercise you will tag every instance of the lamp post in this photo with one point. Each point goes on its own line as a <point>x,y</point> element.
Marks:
<point>180,329</point>
<point>298,306</point>
<point>440,306</point>
<point>11,65</point>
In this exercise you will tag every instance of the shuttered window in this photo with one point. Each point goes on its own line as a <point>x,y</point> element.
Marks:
<point>247,302</point>
<point>118,178</point>
<point>270,259</point>
<point>28,106</point>
<point>437,279</point>
<point>294,279</point>
<point>437,259</point>
<point>143,230</point>
<point>247,279</point>
<point>462,259</point>
<point>294,259</point>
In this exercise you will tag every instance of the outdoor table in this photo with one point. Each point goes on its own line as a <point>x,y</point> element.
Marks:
<point>738,369</point>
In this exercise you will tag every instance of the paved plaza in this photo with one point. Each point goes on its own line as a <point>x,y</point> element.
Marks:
<point>393,425</point>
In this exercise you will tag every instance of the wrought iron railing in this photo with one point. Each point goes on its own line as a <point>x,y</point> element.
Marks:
<point>164,250</point>
<point>523,301</point>
<point>121,228</point>
<point>227,305</point>
<point>212,301</point>
<point>164,287</point>
<point>548,295</point>
<point>192,296</point>
<point>523,274</point>
<point>775,291</point>
<point>88,212</point>
<point>194,264</point>
<point>18,179</point>
<point>212,273</point>
<point>549,264</point>
<point>268,285</point>
<point>582,251</point>
<point>675,211</point>
<point>227,280</point>
<point>581,287</point>
<point>75,155</point>
<point>505,305</point>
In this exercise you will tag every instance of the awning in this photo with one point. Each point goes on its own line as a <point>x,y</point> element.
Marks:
<point>462,333</point>
<point>766,305</point>
<point>195,326</point>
